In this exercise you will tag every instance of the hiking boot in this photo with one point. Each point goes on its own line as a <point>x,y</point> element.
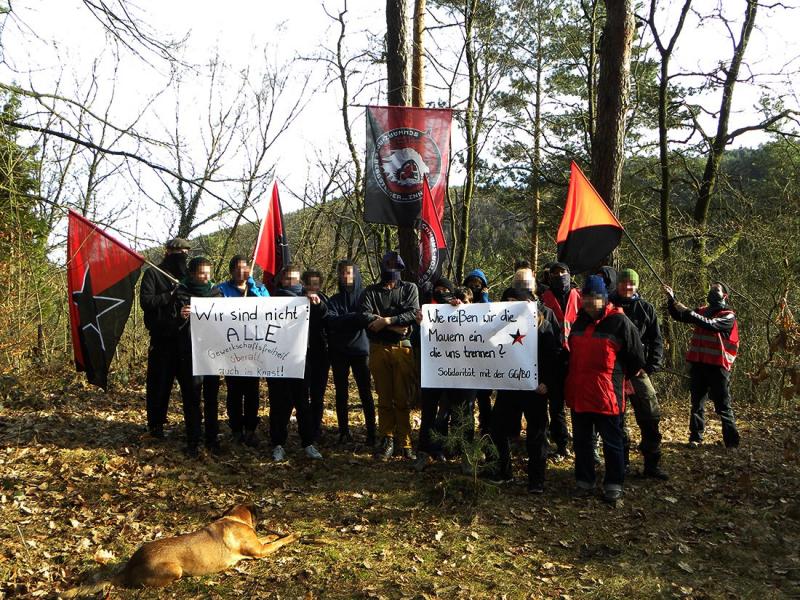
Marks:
<point>345,438</point>
<point>312,452</point>
<point>421,462</point>
<point>583,492</point>
<point>157,432</point>
<point>651,468</point>
<point>386,449</point>
<point>693,444</point>
<point>278,454</point>
<point>409,454</point>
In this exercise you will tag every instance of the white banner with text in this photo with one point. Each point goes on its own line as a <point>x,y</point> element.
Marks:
<point>480,346</point>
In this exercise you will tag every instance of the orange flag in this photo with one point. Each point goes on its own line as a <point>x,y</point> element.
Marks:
<point>589,231</point>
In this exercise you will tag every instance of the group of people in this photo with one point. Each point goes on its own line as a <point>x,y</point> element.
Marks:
<point>598,346</point>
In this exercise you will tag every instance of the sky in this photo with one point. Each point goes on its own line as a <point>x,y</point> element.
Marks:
<point>57,43</point>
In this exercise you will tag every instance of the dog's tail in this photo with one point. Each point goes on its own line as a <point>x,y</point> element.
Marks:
<point>104,585</point>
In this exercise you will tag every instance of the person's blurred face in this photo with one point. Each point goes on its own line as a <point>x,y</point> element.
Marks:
<point>626,288</point>
<point>290,278</point>
<point>313,284</point>
<point>523,279</point>
<point>474,283</point>
<point>593,304</point>
<point>348,275</point>
<point>202,274</point>
<point>240,272</point>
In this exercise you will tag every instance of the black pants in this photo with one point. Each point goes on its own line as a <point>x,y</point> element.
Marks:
<point>457,411</point>
<point>609,427</point>
<point>284,395</point>
<point>559,434</point>
<point>242,403</point>
<point>431,399</point>
<point>484,398</point>
<point>162,370</point>
<point>714,382</point>
<point>505,422</point>
<point>341,365</point>
<point>317,367</point>
<point>199,395</point>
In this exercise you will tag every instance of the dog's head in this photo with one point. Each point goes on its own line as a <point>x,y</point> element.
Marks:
<point>246,513</point>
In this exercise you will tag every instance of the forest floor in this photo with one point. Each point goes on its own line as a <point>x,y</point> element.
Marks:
<point>82,486</point>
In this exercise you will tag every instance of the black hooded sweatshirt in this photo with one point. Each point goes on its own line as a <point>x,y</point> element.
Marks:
<point>317,338</point>
<point>346,323</point>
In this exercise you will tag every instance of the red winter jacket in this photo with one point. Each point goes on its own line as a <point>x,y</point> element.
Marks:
<point>567,316</point>
<point>602,353</point>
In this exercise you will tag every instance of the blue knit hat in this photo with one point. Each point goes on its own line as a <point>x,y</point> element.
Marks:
<point>595,286</point>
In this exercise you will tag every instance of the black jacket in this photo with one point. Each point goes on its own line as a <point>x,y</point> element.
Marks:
<point>183,297</point>
<point>400,303</point>
<point>157,298</point>
<point>317,318</point>
<point>643,315</point>
<point>345,323</point>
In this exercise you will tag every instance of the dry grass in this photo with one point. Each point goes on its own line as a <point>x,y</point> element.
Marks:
<point>81,488</point>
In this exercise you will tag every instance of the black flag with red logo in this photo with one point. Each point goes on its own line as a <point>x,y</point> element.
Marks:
<point>404,146</point>
<point>101,275</point>
<point>432,243</point>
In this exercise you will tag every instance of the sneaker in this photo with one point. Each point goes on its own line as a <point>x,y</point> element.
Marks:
<point>278,454</point>
<point>535,487</point>
<point>409,454</point>
<point>694,444</point>
<point>497,477</point>
<point>312,452</point>
<point>613,497</point>
<point>386,449</point>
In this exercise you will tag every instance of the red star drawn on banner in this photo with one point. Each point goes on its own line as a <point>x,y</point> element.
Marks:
<point>517,337</point>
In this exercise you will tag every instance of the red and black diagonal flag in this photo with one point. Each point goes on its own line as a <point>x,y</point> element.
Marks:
<point>101,275</point>
<point>404,145</point>
<point>589,231</point>
<point>432,243</point>
<point>272,248</point>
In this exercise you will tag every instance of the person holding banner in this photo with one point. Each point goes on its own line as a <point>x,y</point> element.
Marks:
<point>604,349</point>
<point>477,282</point>
<point>242,399</point>
<point>157,297</point>
<point>317,362</point>
<point>389,308</point>
<point>510,404</point>
<point>195,390</point>
<point>349,350</point>
<point>286,393</point>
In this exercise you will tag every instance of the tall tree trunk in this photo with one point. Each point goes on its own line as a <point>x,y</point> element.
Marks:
<point>418,62</point>
<point>608,148</point>
<point>537,145</point>
<point>719,142</point>
<point>471,135</point>
<point>398,94</point>
<point>665,191</point>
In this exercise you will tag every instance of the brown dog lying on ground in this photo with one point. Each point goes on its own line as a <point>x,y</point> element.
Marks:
<point>214,548</point>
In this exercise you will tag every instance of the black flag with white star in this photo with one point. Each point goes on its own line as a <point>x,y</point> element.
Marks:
<point>101,275</point>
